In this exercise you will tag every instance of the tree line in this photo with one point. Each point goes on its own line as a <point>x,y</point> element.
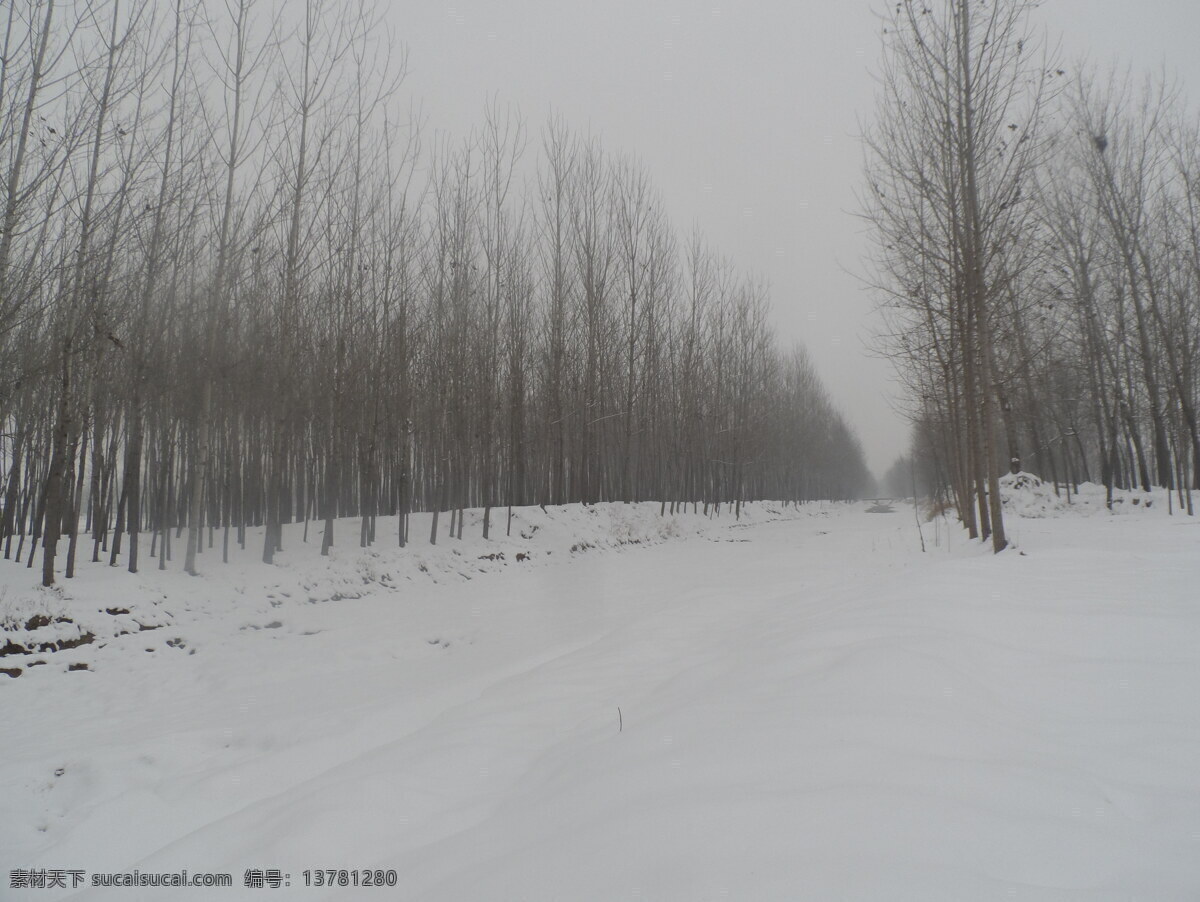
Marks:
<point>1037,255</point>
<point>238,290</point>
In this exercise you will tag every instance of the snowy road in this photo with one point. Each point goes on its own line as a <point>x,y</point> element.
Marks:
<point>809,708</point>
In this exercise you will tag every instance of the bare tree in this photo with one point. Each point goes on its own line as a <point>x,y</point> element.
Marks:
<point>950,168</point>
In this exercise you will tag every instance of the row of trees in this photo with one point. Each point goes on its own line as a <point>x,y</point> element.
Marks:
<point>236,291</point>
<point>1038,256</point>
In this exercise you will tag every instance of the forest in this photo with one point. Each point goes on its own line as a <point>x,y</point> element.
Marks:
<point>240,287</point>
<point>398,490</point>
<point>1036,234</point>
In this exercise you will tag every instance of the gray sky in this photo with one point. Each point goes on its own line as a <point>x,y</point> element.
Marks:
<point>746,116</point>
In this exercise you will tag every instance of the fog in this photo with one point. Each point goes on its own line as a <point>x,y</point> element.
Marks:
<point>747,116</point>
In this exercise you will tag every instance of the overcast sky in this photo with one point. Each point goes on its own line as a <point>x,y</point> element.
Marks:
<point>746,114</point>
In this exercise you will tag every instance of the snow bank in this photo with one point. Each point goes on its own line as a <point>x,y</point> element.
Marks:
<point>1025,495</point>
<point>41,626</point>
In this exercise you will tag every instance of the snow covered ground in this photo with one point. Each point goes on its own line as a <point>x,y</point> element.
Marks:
<point>799,705</point>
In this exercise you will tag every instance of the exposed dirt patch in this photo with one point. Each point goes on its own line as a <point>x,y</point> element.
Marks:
<point>37,621</point>
<point>13,648</point>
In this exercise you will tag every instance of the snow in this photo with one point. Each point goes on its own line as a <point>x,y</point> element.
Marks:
<point>1025,495</point>
<point>795,705</point>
